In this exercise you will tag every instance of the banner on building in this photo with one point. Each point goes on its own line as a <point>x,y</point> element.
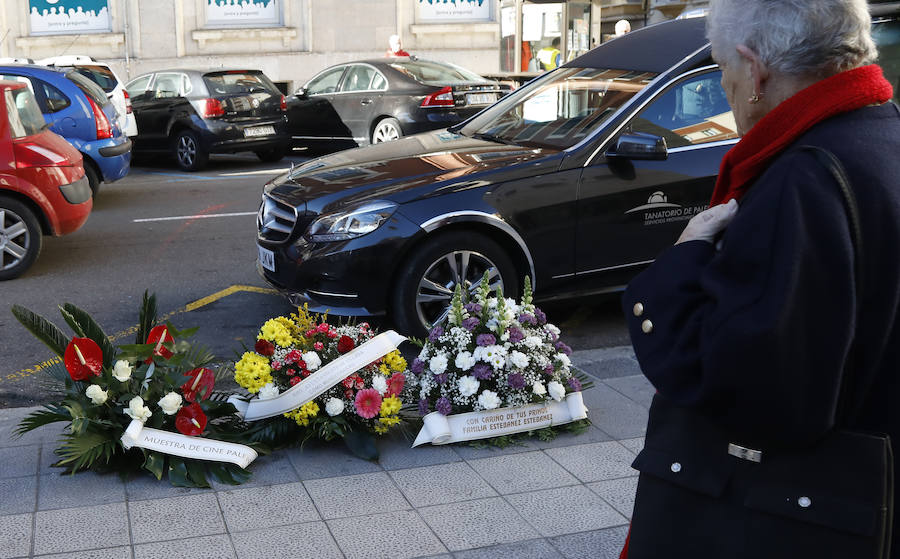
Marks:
<point>445,11</point>
<point>69,17</point>
<point>243,13</point>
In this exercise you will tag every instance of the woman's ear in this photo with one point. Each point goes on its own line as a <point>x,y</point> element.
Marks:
<point>759,71</point>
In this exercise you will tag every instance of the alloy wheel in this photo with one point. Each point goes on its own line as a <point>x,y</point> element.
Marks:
<point>14,239</point>
<point>186,150</point>
<point>386,131</point>
<point>436,287</point>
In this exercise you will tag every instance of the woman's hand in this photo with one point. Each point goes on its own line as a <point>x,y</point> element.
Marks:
<point>706,225</point>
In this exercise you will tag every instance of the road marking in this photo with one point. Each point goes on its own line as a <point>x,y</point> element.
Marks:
<point>260,172</point>
<point>202,302</point>
<point>195,216</point>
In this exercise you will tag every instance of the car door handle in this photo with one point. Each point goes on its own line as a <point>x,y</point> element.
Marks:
<point>365,102</point>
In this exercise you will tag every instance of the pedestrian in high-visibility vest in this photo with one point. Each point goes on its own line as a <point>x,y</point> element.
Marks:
<point>549,56</point>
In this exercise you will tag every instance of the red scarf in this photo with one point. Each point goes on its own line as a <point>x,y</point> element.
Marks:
<point>774,132</point>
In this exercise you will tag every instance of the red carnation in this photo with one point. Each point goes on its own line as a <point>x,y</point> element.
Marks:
<point>83,358</point>
<point>345,344</point>
<point>200,386</point>
<point>295,380</point>
<point>395,384</point>
<point>191,420</point>
<point>348,394</point>
<point>348,382</point>
<point>159,336</point>
<point>265,348</point>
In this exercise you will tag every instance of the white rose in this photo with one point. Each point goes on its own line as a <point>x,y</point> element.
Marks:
<point>122,370</point>
<point>488,400</point>
<point>268,391</point>
<point>468,385</point>
<point>379,383</point>
<point>465,361</point>
<point>438,363</point>
<point>518,359</point>
<point>334,406</point>
<point>557,391</point>
<point>538,388</point>
<point>564,359</point>
<point>170,403</point>
<point>137,410</point>
<point>312,360</point>
<point>96,394</point>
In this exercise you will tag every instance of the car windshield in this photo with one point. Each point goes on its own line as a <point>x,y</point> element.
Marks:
<point>886,33</point>
<point>236,83</point>
<point>435,73</point>
<point>89,88</point>
<point>25,117</point>
<point>558,111</point>
<point>99,75</point>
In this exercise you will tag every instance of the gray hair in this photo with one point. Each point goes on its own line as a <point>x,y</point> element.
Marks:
<point>795,37</point>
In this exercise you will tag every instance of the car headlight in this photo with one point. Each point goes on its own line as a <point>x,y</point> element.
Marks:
<point>352,222</point>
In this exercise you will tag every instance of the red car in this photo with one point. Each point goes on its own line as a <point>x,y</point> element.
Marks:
<point>43,189</point>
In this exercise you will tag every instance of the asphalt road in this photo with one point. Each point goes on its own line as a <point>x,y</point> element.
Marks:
<point>190,239</point>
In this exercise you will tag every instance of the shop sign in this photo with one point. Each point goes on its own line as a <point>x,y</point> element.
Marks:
<point>455,10</point>
<point>58,17</point>
<point>242,13</point>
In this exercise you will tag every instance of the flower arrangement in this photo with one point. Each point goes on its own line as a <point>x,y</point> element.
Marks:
<point>161,381</point>
<point>490,353</point>
<point>289,349</point>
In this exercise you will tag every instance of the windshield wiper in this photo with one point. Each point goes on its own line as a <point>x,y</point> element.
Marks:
<point>493,138</point>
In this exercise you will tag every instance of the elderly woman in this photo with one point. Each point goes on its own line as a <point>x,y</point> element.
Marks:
<point>746,325</point>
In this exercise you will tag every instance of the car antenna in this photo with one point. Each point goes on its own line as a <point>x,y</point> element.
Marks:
<point>65,50</point>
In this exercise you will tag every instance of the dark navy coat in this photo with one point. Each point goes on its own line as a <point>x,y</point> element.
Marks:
<point>755,333</point>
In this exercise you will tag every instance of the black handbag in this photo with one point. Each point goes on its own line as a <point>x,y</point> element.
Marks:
<point>701,494</point>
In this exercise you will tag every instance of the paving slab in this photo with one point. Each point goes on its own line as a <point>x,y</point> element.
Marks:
<point>530,549</point>
<point>617,492</point>
<point>393,535</point>
<point>264,507</point>
<point>565,510</point>
<point>356,495</point>
<point>595,461</point>
<point>597,544</point>
<point>478,523</point>
<point>519,473</point>
<point>15,535</point>
<point>311,539</point>
<point>81,528</point>
<point>635,387</point>
<point>62,491</point>
<point>156,520</point>
<point>614,413</point>
<point>397,453</point>
<point>121,552</point>
<point>317,460</point>
<point>18,461</point>
<point>207,547</point>
<point>18,495</point>
<point>441,484</point>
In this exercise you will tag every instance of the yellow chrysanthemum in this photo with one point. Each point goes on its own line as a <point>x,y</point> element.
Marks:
<point>395,361</point>
<point>304,413</point>
<point>389,421</point>
<point>252,372</point>
<point>384,370</point>
<point>381,429</point>
<point>275,331</point>
<point>390,406</point>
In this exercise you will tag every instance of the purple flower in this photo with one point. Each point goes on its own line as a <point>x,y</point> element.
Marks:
<point>435,333</point>
<point>441,378</point>
<point>423,406</point>
<point>548,370</point>
<point>417,366</point>
<point>516,381</point>
<point>541,317</point>
<point>473,307</point>
<point>485,339</point>
<point>470,323</point>
<point>482,371</point>
<point>563,348</point>
<point>527,318</point>
<point>515,335</point>
<point>575,384</point>
<point>443,406</point>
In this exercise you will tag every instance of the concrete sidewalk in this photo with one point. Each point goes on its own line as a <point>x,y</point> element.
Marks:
<point>570,498</point>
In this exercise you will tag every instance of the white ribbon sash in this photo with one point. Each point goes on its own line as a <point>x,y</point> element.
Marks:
<point>186,447</point>
<point>443,429</point>
<point>320,381</point>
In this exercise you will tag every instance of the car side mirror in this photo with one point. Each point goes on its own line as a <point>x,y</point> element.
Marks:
<point>640,146</point>
<point>301,93</point>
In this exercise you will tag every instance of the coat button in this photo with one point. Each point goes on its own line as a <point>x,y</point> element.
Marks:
<point>676,467</point>
<point>638,309</point>
<point>804,502</point>
<point>647,326</point>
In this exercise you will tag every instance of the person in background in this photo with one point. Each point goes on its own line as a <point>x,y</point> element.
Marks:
<point>549,57</point>
<point>396,47</point>
<point>622,27</point>
<point>747,322</point>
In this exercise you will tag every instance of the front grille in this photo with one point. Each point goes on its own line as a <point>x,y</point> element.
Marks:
<point>275,219</point>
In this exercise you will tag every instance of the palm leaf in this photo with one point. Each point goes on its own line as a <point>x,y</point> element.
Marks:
<point>147,318</point>
<point>73,324</point>
<point>91,330</point>
<point>42,329</point>
<point>39,418</point>
<point>85,451</point>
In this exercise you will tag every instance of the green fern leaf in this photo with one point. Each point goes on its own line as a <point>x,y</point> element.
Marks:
<point>39,418</point>
<point>42,329</point>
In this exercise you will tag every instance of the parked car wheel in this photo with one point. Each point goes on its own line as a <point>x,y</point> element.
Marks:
<point>270,155</point>
<point>20,238</point>
<point>386,130</point>
<point>434,270</point>
<point>188,153</point>
<point>93,178</point>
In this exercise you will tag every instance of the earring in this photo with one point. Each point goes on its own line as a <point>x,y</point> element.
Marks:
<point>755,98</point>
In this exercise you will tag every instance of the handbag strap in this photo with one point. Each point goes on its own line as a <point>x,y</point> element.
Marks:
<point>834,166</point>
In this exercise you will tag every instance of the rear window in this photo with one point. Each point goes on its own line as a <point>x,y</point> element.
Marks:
<point>25,117</point>
<point>886,33</point>
<point>89,88</point>
<point>239,83</point>
<point>100,75</point>
<point>435,73</point>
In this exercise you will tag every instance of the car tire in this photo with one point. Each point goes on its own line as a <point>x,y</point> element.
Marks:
<point>427,280</point>
<point>93,179</point>
<point>189,154</point>
<point>270,155</point>
<point>20,238</point>
<point>386,130</point>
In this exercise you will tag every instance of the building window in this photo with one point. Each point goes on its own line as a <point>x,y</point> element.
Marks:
<point>243,13</point>
<point>454,11</point>
<point>68,17</point>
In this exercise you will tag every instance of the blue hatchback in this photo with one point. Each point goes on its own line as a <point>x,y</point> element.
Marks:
<point>78,110</point>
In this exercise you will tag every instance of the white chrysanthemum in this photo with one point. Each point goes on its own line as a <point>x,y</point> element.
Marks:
<point>465,361</point>
<point>538,388</point>
<point>504,337</point>
<point>96,394</point>
<point>137,410</point>
<point>497,361</point>
<point>334,406</point>
<point>468,385</point>
<point>268,391</point>
<point>557,391</point>
<point>533,342</point>
<point>379,383</point>
<point>518,360</point>
<point>312,360</point>
<point>552,328</point>
<point>170,403</point>
<point>438,363</point>
<point>564,359</point>
<point>122,370</point>
<point>488,400</point>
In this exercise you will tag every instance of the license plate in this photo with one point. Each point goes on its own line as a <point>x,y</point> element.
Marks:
<point>481,98</point>
<point>267,258</point>
<point>259,131</point>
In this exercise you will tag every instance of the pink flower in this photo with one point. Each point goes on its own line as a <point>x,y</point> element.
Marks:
<point>368,403</point>
<point>323,327</point>
<point>318,346</point>
<point>332,334</point>
<point>395,384</point>
<point>293,356</point>
<point>276,365</point>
